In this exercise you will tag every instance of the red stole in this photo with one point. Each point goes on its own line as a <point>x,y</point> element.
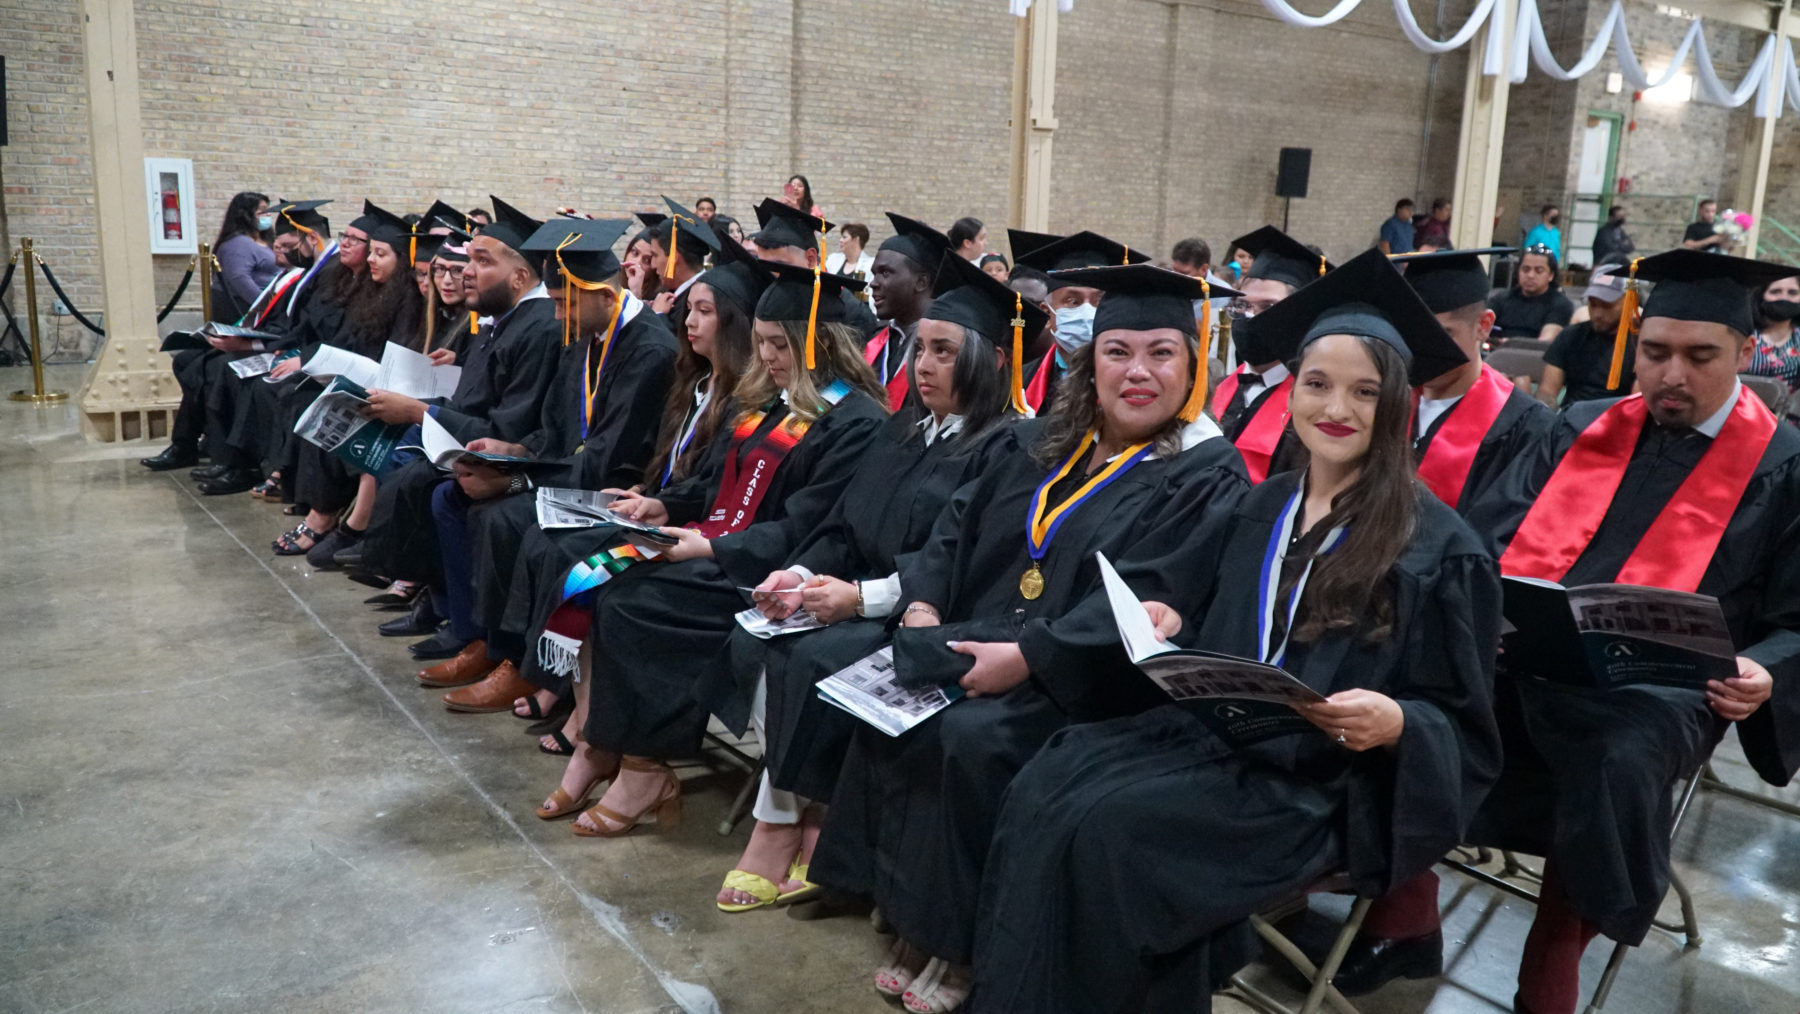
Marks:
<point>1039,388</point>
<point>900,383</point>
<point>1676,550</point>
<point>748,473</point>
<point>1258,440</point>
<point>1445,467</point>
<point>275,298</point>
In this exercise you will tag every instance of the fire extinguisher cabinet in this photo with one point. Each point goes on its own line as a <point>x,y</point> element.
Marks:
<point>169,189</point>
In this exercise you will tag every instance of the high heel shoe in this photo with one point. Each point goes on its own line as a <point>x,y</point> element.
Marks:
<point>562,805</point>
<point>902,966</point>
<point>664,811</point>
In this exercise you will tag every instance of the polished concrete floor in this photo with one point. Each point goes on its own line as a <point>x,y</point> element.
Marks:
<point>221,791</point>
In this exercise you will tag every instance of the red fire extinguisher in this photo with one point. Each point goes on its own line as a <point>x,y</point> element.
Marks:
<point>171,212</point>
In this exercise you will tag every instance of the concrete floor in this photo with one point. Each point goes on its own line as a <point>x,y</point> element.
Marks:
<point>221,791</point>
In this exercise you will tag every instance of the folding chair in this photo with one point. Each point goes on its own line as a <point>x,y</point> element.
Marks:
<point>1320,976</point>
<point>753,768</point>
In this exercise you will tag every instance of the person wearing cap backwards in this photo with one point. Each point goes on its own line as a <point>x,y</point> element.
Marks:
<point>1251,404</point>
<point>810,410</point>
<point>694,241</point>
<point>1691,485</point>
<point>715,351</point>
<point>1579,359</point>
<point>507,373</point>
<point>790,236</point>
<point>1005,602</point>
<point>1129,854</point>
<point>1072,306</point>
<point>900,286</point>
<point>955,426</point>
<point>599,425</point>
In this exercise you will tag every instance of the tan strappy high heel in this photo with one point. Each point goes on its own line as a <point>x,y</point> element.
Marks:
<point>664,811</point>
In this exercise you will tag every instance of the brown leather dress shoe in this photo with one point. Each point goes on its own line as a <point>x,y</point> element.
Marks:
<point>469,665</point>
<point>502,687</point>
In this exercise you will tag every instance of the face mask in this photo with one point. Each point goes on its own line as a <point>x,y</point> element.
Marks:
<point>1074,327</point>
<point>265,222</point>
<point>1780,309</point>
<point>299,258</point>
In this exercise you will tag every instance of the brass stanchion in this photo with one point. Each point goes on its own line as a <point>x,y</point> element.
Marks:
<point>37,393</point>
<point>205,259</point>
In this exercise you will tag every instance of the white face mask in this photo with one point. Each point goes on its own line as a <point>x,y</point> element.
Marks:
<point>265,222</point>
<point>1074,327</point>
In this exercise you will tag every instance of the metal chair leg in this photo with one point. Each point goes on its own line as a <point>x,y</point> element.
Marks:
<point>1322,980</point>
<point>740,806</point>
<point>1606,979</point>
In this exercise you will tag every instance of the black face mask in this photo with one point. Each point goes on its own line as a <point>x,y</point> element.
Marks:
<point>1780,309</point>
<point>1555,219</point>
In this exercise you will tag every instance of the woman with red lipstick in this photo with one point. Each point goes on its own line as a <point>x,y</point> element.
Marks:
<point>1130,853</point>
<point>1003,603</point>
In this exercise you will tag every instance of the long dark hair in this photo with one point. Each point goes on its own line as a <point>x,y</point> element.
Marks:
<point>806,196</point>
<point>983,390</point>
<point>240,217</point>
<point>381,312</point>
<point>1076,410</point>
<point>733,343</point>
<point>1378,513</point>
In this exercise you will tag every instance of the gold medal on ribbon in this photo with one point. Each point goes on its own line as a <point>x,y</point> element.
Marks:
<point>1031,583</point>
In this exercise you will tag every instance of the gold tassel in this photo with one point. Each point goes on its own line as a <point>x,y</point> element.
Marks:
<point>474,323</point>
<point>412,251</point>
<point>1018,355</point>
<point>1627,313</point>
<point>1196,402</point>
<point>812,324</point>
<point>1321,265</point>
<point>1127,259</point>
<point>674,230</point>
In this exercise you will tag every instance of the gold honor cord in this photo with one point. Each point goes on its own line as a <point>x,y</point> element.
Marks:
<point>1196,402</point>
<point>1628,308</point>
<point>298,227</point>
<point>1031,583</point>
<point>1321,265</point>
<point>590,385</point>
<point>1018,354</point>
<point>1127,259</point>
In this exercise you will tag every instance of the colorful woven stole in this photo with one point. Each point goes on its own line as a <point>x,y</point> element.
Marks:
<point>1258,440</point>
<point>1445,467</point>
<point>1679,545</point>
<point>1039,388</point>
<point>748,472</point>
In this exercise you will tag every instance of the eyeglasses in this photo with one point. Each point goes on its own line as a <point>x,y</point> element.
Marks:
<point>352,241</point>
<point>1244,309</point>
<point>447,270</point>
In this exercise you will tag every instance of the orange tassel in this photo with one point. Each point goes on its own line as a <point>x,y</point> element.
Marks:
<point>674,230</point>
<point>1196,402</point>
<point>1018,355</point>
<point>474,322</point>
<point>1628,308</point>
<point>1127,259</point>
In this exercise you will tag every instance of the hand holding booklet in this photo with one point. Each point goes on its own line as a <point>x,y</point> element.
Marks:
<point>401,371</point>
<point>1249,700</point>
<point>1609,635</point>
<point>586,508</point>
<point>182,341</point>
<point>867,689</point>
<point>444,450</point>
<point>335,423</point>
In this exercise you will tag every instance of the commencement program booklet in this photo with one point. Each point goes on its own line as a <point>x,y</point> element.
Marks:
<point>401,371</point>
<point>587,508</point>
<point>756,624</point>
<point>444,450</point>
<point>335,423</point>
<point>1609,635</point>
<point>1241,700</point>
<point>867,690</point>
<point>182,341</point>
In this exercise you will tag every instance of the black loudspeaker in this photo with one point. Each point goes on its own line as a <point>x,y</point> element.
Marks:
<point>1290,178</point>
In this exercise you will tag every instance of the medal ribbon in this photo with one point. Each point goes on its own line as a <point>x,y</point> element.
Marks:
<point>1270,584</point>
<point>1041,527</point>
<point>1675,551</point>
<point>1451,453</point>
<point>701,398</point>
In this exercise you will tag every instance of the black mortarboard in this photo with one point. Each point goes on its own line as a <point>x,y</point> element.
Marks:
<point>582,247</point>
<point>783,225</point>
<point>384,226</point>
<point>1282,258</point>
<point>510,226</point>
<point>1697,285</point>
<point>651,219</point>
<point>455,247</point>
<point>1082,250</point>
<point>301,216</point>
<point>694,238</point>
<point>1144,297</point>
<point>737,276</point>
<point>790,295</point>
<point>1449,279</point>
<point>964,294</point>
<point>1023,242</point>
<point>441,214</point>
<point>427,245</point>
<point>1369,298</point>
<point>916,241</point>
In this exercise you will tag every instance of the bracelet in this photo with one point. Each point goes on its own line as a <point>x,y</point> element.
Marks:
<point>920,607</point>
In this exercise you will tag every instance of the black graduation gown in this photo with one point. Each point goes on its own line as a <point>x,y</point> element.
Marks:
<point>659,627</point>
<point>619,444</point>
<point>887,510</point>
<point>1590,774</point>
<point>506,376</point>
<point>912,815</point>
<point>1522,420</point>
<point>1129,853</point>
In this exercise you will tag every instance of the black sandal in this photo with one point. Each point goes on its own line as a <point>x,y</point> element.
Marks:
<point>296,510</point>
<point>553,719</point>
<point>564,747</point>
<point>289,542</point>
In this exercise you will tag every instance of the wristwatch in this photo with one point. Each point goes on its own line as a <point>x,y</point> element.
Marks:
<point>518,483</point>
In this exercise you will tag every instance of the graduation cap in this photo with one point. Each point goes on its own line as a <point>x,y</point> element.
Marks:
<point>693,237</point>
<point>1282,258</point>
<point>580,251</point>
<point>651,219</point>
<point>426,245</point>
<point>1082,250</point>
<point>737,276</point>
<point>510,226</point>
<point>1023,242</point>
<point>441,214</point>
<point>455,246</point>
<point>964,294</point>
<point>301,216</point>
<point>1144,297</point>
<point>383,226</point>
<point>1449,279</point>
<point>810,295</point>
<point>1369,298</point>
<point>916,241</point>
<point>783,225</point>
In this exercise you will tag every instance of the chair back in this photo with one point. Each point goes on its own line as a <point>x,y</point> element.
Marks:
<point>1772,391</point>
<point>1512,362</point>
